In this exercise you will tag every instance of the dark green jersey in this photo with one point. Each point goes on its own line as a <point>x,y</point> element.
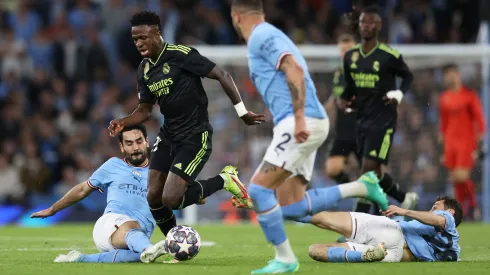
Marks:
<point>174,82</point>
<point>369,76</point>
<point>346,122</point>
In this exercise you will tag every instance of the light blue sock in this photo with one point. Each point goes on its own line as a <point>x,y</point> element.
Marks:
<point>272,222</point>
<point>137,240</point>
<point>342,255</point>
<point>115,256</point>
<point>316,200</point>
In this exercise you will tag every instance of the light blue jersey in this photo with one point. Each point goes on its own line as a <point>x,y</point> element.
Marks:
<point>126,188</point>
<point>267,45</point>
<point>431,244</point>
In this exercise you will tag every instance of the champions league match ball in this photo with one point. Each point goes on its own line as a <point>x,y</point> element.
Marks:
<point>183,243</point>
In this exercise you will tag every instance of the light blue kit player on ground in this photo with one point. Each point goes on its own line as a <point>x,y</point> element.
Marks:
<point>430,237</point>
<point>123,232</point>
<point>280,74</point>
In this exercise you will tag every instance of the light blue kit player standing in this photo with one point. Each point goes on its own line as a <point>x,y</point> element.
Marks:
<point>122,233</point>
<point>280,74</point>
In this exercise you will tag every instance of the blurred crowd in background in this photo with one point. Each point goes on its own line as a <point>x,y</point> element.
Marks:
<point>68,67</point>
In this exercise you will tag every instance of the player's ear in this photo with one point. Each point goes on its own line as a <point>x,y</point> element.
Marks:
<point>121,147</point>
<point>451,211</point>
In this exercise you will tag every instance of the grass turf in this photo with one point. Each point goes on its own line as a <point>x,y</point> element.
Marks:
<point>238,250</point>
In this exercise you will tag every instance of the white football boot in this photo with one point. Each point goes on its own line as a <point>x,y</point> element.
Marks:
<point>374,254</point>
<point>72,257</point>
<point>410,202</point>
<point>153,252</point>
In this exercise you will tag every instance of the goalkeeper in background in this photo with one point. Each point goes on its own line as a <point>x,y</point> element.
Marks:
<point>462,128</point>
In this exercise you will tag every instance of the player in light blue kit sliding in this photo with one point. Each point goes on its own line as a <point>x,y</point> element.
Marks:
<point>431,237</point>
<point>281,76</point>
<point>123,233</point>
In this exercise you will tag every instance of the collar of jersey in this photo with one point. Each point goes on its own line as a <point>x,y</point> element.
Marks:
<point>163,50</point>
<point>364,55</point>
<point>146,165</point>
<point>253,28</point>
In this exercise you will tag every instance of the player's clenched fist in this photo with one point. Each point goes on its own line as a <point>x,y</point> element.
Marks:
<point>44,213</point>
<point>115,127</point>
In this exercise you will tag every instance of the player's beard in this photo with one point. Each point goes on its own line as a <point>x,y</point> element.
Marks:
<point>136,159</point>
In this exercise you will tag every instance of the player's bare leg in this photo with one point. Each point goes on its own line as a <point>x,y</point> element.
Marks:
<point>266,179</point>
<point>408,200</point>
<point>163,215</point>
<point>335,169</point>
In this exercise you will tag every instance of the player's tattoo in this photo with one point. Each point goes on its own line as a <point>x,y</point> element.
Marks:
<point>268,167</point>
<point>296,81</point>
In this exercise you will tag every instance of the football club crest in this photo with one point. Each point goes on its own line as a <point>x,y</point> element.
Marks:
<point>354,58</point>
<point>136,173</point>
<point>166,68</point>
<point>376,66</point>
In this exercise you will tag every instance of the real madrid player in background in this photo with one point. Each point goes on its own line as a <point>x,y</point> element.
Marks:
<point>280,74</point>
<point>371,70</point>
<point>344,143</point>
<point>170,75</point>
<point>123,232</point>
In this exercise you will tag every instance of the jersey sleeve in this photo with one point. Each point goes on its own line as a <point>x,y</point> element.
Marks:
<point>477,113</point>
<point>100,178</point>
<point>401,69</point>
<point>350,86</point>
<point>443,116</point>
<point>450,222</point>
<point>270,47</point>
<point>197,64</point>
<point>144,95</point>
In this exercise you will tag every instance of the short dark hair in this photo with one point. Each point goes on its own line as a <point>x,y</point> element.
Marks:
<point>450,67</point>
<point>146,18</point>
<point>452,203</point>
<point>371,9</point>
<point>249,5</point>
<point>140,127</point>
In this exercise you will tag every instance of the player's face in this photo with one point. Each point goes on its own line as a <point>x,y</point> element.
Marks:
<point>369,25</point>
<point>451,78</point>
<point>134,147</point>
<point>344,47</point>
<point>235,19</point>
<point>439,205</point>
<point>146,38</point>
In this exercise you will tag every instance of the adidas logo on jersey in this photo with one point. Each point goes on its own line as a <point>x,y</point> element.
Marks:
<point>178,166</point>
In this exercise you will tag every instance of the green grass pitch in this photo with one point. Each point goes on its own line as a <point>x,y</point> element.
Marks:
<point>238,250</point>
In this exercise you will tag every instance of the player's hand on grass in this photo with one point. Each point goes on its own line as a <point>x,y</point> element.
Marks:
<point>251,118</point>
<point>301,134</point>
<point>395,211</point>
<point>43,213</point>
<point>115,127</point>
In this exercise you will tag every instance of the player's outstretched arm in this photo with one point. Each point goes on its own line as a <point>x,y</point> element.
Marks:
<point>348,96</point>
<point>140,115</point>
<point>76,194</point>
<point>295,77</point>
<point>424,217</point>
<point>226,81</point>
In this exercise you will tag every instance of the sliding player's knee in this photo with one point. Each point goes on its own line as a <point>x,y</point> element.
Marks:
<point>318,252</point>
<point>334,166</point>
<point>118,238</point>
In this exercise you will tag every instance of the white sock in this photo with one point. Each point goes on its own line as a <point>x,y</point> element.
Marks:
<point>284,252</point>
<point>353,189</point>
<point>224,179</point>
